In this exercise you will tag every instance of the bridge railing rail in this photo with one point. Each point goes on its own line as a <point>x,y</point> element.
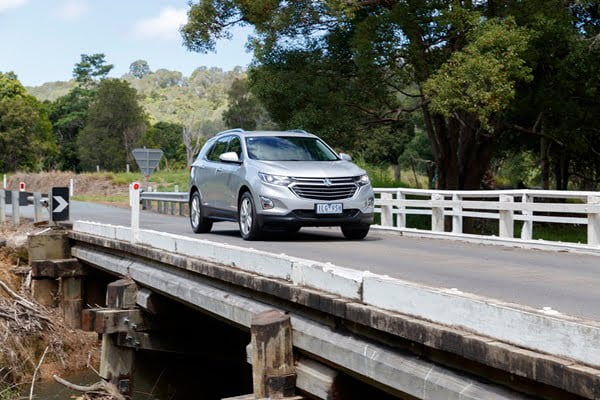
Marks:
<point>506,206</point>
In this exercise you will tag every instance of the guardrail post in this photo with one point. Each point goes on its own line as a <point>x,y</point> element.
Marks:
<point>135,214</point>
<point>37,206</point>
<point>527,229</point>
<point>172,208</point>
<point>159,206</point>
<point>2,206</point>
<point>457,218</point>
<point>437,214</point>
<point>16,216</point>
<point>387,218</point>
<point>181,206</point>
<point>507,220</point>
<point>593,228</point>
<point>401,216</point>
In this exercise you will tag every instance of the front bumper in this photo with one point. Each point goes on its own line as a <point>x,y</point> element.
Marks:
<point>309,218</point>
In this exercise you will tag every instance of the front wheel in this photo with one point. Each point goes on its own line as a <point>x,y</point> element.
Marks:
<point>249,228</point>
<point>199,223</point>
<point>355,232</point>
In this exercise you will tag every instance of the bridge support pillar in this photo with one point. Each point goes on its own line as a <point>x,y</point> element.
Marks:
<point>51,245</point>
<point>116,362</point>
<point>273,372</point>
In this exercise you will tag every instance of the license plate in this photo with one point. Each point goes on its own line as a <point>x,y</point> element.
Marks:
<point>329,208</point>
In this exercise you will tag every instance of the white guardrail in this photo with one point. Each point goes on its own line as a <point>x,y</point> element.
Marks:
<point>506,206</point>
<point>542,330</point>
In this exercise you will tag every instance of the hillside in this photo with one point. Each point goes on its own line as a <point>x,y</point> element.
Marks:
<point>168,95</point>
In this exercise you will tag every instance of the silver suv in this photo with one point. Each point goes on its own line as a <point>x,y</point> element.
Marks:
<point>278,181</point>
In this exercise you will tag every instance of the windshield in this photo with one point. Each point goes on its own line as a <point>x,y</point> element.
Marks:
<point>288,148</point>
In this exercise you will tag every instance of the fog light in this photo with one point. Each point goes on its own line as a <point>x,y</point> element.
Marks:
<point>370,202</point>
<point>266,203</point>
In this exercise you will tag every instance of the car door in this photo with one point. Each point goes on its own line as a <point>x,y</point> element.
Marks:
<point>231,176</point>
<point>213,187</point>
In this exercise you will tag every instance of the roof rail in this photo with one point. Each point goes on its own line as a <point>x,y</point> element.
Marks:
<point>240,130</point>
<point>298,131</point>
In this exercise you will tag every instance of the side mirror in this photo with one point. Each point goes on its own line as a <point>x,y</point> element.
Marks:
<point>345,157</point>
<point>230,157</point>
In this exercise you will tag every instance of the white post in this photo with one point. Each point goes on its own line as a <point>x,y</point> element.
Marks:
<point>134,196</point>
<point>4,182</point>
<point>401,216</point>
<point>127,168</point>
<point>527,229</point>
<point>97,168</point>
<point>37,206</point>
<point>507,220</point>
<point>437,214</point>
<point>16,216</point>
<point>387,218</point>
<point>71,187</point>
<point>177,188</point>
<point>457,218</point>
<point>2,206</point>
<point>593,228</point>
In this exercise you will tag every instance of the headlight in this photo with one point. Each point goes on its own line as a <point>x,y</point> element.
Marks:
<point>363,180</point>
<point>274,179</point>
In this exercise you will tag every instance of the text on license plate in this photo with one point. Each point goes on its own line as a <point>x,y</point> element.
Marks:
<point>329,208</point>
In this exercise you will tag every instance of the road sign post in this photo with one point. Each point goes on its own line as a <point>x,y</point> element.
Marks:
<point>59,204</point>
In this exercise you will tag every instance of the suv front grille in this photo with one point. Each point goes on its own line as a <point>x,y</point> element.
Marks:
<point>324,189</point>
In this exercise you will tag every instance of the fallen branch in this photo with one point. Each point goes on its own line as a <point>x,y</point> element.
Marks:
<point>101,387</point>
<point>36,371</point>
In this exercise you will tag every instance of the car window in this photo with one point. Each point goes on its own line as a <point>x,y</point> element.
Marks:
<point>219,148</point>
<point>235,145</point>
<point>288,148</point>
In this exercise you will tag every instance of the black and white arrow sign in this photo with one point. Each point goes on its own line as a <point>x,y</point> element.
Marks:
<point>60,203</point>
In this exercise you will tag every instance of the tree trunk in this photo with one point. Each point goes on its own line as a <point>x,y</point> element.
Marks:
<point>397,175</point>
<point>545,163</point>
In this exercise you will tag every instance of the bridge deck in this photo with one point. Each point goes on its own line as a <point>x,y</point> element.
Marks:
<point>566,282</point>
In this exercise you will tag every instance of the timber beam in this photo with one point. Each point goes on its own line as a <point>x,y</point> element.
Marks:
<point>53,269</point>
<point>107,321</point>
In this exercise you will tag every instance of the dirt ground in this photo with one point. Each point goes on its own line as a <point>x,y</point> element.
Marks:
<point>85,184</point>
<point>28,329</point>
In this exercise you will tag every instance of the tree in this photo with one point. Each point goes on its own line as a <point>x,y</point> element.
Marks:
<point>115,123</point>
<point>68,115</point>
<point>462,64</point>
<point>139,69</point>
<point>25,131</point>
<point>167,137</point>
<point>244,110</point>
<point>192,141</point>
<point>91,69</point>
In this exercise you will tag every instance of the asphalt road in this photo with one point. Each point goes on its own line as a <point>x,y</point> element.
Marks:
<point>569,283</point>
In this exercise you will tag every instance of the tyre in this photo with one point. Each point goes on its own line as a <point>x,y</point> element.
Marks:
<point>199,223</point>
<point>248,224</point>
<point>355,232</point>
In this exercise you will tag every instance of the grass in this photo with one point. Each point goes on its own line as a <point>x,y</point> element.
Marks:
<point>116,199</point>
<point>164,180</point>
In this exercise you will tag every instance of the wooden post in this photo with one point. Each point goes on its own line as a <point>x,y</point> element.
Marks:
<point>387,217</point>
<point>401,216</point>
<point>37,206</point>
<point>457,218</point>
<point>116,363</point>
<point>527,228</point>
<point>437,214</point>
<point>593,228</point>
<point>507,221</point>
<point>273,372</point>
<point>2,206</point>
<point>51,245</point>
<point>72,301</point>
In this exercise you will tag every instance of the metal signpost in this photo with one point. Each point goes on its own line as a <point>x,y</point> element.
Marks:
<point>59,204</point>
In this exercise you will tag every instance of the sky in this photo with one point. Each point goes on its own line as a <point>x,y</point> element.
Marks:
<point>41,40</point>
